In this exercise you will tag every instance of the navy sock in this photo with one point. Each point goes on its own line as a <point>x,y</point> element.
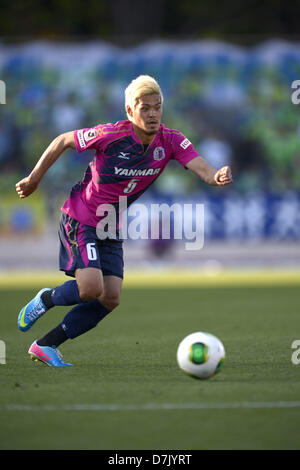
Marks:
<point>66,294</point>
<point>83,317</point>
<point>55,337</point>
<point>47,298</point>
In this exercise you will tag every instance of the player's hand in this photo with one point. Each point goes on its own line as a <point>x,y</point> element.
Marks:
<point>25,187</point>
<point>223,176</point>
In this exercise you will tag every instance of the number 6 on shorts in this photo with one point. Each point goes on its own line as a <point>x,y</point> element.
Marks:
<point>91,251</point>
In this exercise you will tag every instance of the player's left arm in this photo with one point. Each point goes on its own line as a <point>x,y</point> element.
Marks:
<point>29,184</point>
<point>209,174</point>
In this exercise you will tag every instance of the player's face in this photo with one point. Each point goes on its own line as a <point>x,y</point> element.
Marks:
<point>147,114</point>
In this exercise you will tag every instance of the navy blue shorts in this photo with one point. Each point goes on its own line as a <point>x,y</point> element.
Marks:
<point>81,248</point>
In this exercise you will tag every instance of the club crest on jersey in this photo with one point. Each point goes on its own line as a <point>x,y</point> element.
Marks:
<point>159,153</point>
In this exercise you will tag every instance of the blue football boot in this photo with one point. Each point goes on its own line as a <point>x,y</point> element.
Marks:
<point>32,311</point>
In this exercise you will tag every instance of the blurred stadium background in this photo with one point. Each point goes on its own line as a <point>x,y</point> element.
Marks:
<point>232,101</point>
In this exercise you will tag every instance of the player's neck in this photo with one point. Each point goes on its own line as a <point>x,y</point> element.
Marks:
<point>145,139</point>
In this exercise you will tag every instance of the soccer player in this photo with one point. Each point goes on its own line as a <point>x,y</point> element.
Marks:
<point>129,156</point>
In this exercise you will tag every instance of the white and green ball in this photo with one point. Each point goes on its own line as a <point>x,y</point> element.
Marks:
<point>201,355</point>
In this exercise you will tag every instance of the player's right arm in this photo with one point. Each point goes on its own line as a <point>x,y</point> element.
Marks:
<point>28,185</point>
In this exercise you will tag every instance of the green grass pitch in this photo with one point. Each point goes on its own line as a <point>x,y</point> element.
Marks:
<point>125,390</point>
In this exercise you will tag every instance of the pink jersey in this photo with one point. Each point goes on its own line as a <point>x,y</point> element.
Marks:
<point>121,166</point>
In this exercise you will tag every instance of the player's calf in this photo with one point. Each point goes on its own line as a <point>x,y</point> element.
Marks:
<point>83,317</point>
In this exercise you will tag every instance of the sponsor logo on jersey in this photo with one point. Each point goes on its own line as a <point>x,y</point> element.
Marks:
<point>159,153</point>
<point>185,143</point>
<point>81,139</point>
<point>124,155</point>
<point>136,172</point>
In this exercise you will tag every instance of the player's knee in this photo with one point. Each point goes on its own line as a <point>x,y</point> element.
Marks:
<point>111,302</point>
<point>89,283</point>
<point>89,292</point>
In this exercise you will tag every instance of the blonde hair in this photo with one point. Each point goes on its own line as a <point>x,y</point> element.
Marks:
<point>140,86</point>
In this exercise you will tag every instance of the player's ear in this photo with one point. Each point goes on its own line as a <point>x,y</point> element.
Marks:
<point>129,111</point>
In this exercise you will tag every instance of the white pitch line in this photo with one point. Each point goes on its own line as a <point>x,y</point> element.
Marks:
<point>152,406</point>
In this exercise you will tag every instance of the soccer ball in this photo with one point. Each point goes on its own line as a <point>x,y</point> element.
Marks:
<point>201,355</point>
